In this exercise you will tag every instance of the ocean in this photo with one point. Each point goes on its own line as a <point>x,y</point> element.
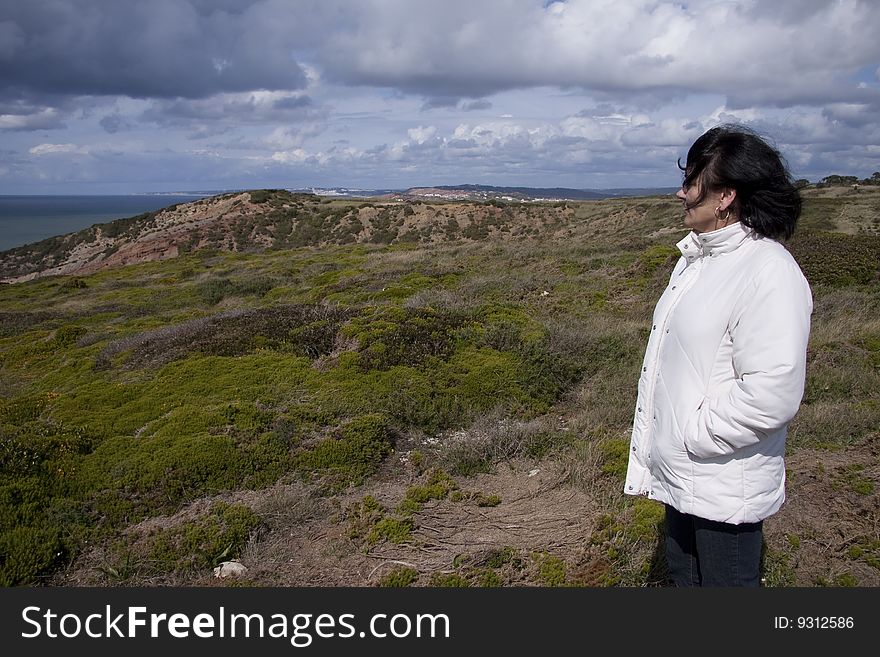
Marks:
<point>26,219</point>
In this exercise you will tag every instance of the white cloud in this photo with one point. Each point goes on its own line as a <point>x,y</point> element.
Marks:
<point>421,134</point>
<point>31,118</point>
<point>732,48</point>
<point>584,91</point>
<point>54,149</point>
<point>295,156</point>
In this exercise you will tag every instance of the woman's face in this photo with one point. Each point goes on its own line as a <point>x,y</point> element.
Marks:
<point>699,218</point>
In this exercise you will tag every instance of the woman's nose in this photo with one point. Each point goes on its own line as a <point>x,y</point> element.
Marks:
<point>680,194</point>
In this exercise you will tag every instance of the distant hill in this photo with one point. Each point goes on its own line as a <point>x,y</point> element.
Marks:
<point>257,220</point>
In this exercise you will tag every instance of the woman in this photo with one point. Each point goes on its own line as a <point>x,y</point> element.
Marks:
<point>723,373</point>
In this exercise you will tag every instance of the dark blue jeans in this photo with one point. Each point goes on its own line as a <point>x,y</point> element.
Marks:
<point>702,552</point>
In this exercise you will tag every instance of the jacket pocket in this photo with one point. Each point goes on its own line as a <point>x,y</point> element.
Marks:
<point>697,441</point>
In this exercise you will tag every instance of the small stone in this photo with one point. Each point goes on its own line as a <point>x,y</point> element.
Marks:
<point>532,473</point>
<point>232,568</point>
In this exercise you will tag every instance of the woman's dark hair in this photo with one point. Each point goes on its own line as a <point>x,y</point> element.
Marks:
<point>733,156</point>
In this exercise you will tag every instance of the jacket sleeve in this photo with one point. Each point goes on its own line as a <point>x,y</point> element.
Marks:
<point>769,329</point>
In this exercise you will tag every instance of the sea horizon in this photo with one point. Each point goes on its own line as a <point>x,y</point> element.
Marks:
<point>29,218</point>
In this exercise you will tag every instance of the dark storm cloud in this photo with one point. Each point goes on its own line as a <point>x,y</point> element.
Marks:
<point>292,103</point>
<point>439,102</point>
<point>113,123</point>
<point>161,48</point>
<point>241,108</point>
<point>454,102</point>
<point>476,105</point>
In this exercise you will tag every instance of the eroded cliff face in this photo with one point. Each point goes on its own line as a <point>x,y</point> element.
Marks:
<point>152,236</point>
<point>253,221</point>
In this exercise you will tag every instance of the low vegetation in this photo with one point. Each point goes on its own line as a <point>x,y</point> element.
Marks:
<point>426,353</point>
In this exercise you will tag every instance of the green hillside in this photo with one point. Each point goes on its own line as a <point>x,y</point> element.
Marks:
<point>343,399</point>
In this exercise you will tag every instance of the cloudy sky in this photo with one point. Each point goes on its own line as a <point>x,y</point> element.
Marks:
<point>121,96</point>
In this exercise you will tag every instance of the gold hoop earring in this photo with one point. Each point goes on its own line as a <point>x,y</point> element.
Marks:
<point>717,214</point>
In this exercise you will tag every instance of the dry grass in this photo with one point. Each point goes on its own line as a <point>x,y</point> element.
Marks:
<point>579,291</point>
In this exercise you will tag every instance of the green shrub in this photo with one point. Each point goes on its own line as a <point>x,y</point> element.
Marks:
<point>16,323</point>
<point>835,259</point>
<point>388,337</point>
<point>488,578</point>
<point>551,569</point>
<point>347,459</point>
<point>304,330</point>
<point>647,521</point>
<point>261,195</point>
<point>776,568</point>
<point>200,544</point>
<point>449,580</point>
<point>159,472</point>
<point>21,410</point>
<point>214,290</point>
<point>399,578</point>
<point>615,457</point>
<point>487,500</point>
<point>362,516</point>
<point>393,530</point>
<point>437,487</point>
<point>26,553</point>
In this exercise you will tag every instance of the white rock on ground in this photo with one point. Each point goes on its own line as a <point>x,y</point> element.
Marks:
<point>230,569</point>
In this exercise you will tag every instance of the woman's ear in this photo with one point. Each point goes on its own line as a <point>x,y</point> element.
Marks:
<point>728,195</point>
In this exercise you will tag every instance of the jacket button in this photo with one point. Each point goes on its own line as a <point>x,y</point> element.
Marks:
<point>644,369</point>
<point>673,287</point>
<point>687,246</point>
<point>640,409</point>
<point>629,487</point>
<point>634,449</point>
<point>655,328</point>
<point>667,330</point>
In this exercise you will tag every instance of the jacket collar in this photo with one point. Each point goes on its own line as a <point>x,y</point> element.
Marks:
<point>724,240</point>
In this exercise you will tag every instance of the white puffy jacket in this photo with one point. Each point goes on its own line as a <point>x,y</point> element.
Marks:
<point>722,378</point>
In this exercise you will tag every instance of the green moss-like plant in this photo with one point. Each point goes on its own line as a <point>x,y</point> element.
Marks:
<point>488,578</point>
<point>836,260</point>
<point>393,530</point>
<point>191,546</point>
<point>408,507</point>
<point>26,553</point>
<point>362,516</point>
<point>551,569</point>
<point>352,456</point>
<point>500,557</point>
<point>399,578</point>
<point>847,580</point>
<point>438,486</point>
<point>647,520</point>
<point>449,580</point>
<point>487,500</point>
<point>614,457</point>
